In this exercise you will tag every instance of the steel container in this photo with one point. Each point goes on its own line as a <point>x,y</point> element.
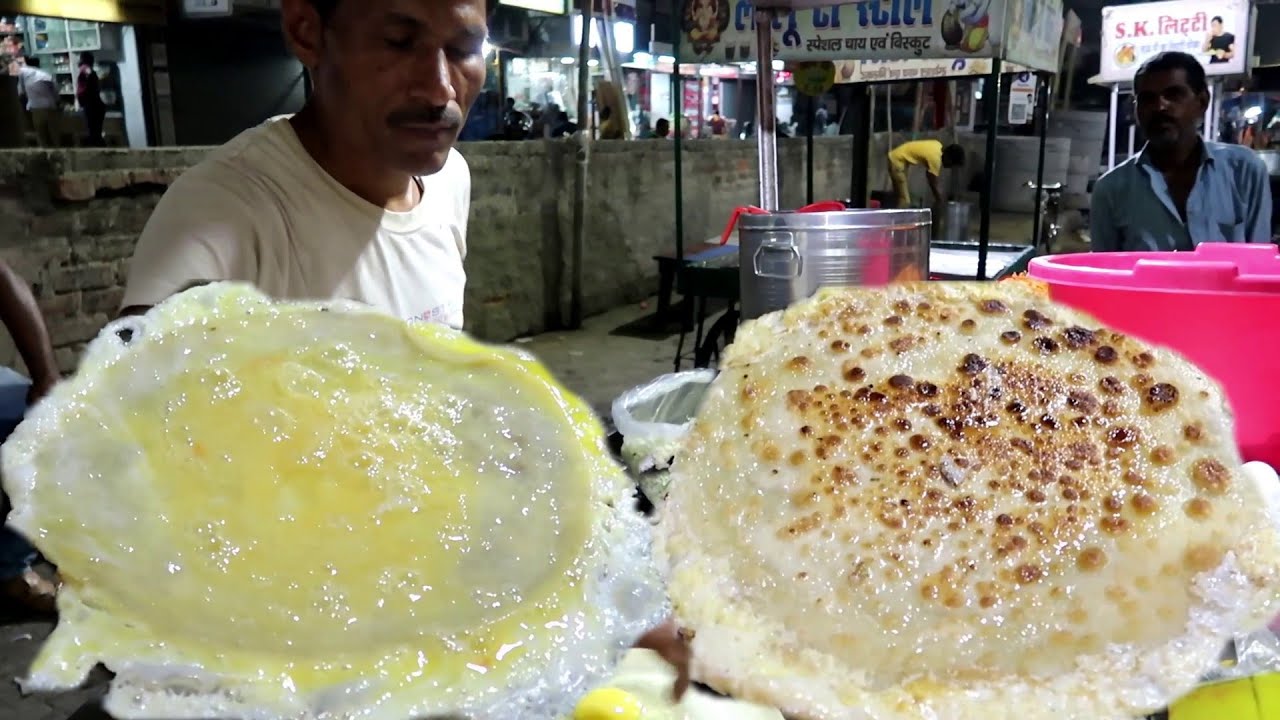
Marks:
<point>955,227</point>
<point>785,257</point>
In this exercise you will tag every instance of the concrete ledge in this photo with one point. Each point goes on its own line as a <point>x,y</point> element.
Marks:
<point>81,186</point>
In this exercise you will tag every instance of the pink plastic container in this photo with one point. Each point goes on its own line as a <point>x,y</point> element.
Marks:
<point>1218,306</point>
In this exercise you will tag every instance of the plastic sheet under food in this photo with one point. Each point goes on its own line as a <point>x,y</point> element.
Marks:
<point>653,418</point>
<point>1255,653</point>
<point>1258,652</point>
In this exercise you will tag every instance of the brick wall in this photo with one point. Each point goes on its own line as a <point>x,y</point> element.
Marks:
<point>69,219</point>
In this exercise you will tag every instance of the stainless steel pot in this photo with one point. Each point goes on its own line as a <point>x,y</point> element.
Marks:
<point>956,225</point>
<point>787,257</point>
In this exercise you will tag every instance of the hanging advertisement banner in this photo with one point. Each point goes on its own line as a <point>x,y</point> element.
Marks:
<point>1035,33</point>
<point>1216,33</point>
<point>1072,30</point>
<point>1022,98</point>
<point>691,105</point>
<point>724,30</point>
<point>862,71</point>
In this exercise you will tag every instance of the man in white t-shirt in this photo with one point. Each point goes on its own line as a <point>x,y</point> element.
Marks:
<point>42,98</point>
<point>360,195</point>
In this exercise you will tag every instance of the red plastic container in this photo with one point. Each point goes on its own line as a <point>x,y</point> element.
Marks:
<point>1218,306</point>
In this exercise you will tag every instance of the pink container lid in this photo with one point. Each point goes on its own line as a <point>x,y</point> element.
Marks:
<point>1216,268</point>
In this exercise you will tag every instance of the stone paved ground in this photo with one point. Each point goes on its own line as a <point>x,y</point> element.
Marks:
<point>593,362</point>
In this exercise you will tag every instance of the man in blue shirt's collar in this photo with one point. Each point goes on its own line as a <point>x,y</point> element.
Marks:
<point>1179,191</point>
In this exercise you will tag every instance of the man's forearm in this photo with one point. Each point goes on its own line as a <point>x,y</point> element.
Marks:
<point>22,318</point>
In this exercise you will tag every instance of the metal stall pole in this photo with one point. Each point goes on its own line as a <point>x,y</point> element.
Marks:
<point>1042,119</point>
<point>862,106</point>
<point>1112,123</point>
<point>677,127</point>
<point>584,156</point>
<point>766,113</point>
<point>991,98</point>
<point>808,150</point>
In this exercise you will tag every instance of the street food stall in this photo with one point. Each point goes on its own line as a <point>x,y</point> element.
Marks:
<point>953,255</point>
<point>1107,287</point>
<point>896,244</point>
<point>1218,33</point>
<point>1027,33</point>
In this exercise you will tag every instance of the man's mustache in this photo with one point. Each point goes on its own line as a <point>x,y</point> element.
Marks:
<point>443,115</point>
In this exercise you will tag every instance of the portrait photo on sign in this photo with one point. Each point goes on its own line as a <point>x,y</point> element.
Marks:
<point>1220,44</point>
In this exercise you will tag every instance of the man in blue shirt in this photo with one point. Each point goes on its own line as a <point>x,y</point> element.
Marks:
<point>1179,191</point>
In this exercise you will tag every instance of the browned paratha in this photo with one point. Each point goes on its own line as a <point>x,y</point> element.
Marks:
<point>961,500</point>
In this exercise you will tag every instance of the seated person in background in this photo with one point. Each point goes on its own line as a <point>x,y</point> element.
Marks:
<point>21,587</point>
<point>929,153</point>
<point>610,129</point>
<point>1179,190</point>
<point>662,128</point>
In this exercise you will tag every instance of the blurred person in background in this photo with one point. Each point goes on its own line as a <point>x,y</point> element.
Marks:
<point>89,96</point>
<point>718,126</point>
<point>41,94</point>
<point>933,156</point>
<point>610,128</point>
<point>563,126</point>
<point>662,128</point>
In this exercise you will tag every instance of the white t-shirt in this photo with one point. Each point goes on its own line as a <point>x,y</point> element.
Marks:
<point>260,210</point>
<point>37,85</point>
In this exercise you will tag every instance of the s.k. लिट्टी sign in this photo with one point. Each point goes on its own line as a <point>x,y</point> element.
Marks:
<point>1215,32</point>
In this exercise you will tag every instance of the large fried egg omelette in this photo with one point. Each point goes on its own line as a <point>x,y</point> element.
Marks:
<point>961,501</point>
<point>318,512</point>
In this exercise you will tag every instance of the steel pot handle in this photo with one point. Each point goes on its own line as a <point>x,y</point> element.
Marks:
<point>786,262</point>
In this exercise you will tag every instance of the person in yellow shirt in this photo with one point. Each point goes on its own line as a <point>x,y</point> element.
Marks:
<point>929,153</point>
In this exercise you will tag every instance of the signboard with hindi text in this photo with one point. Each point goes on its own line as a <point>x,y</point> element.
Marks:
<point>1215,32</point>
<point>723,31</point>
<point>865,71</point>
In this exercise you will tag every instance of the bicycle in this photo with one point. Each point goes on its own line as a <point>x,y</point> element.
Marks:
<point>1050,207</point>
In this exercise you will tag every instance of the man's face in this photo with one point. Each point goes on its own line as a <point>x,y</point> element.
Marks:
<point>1168,109</point>
<point>1216,27</point>
<point>397,77</point>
